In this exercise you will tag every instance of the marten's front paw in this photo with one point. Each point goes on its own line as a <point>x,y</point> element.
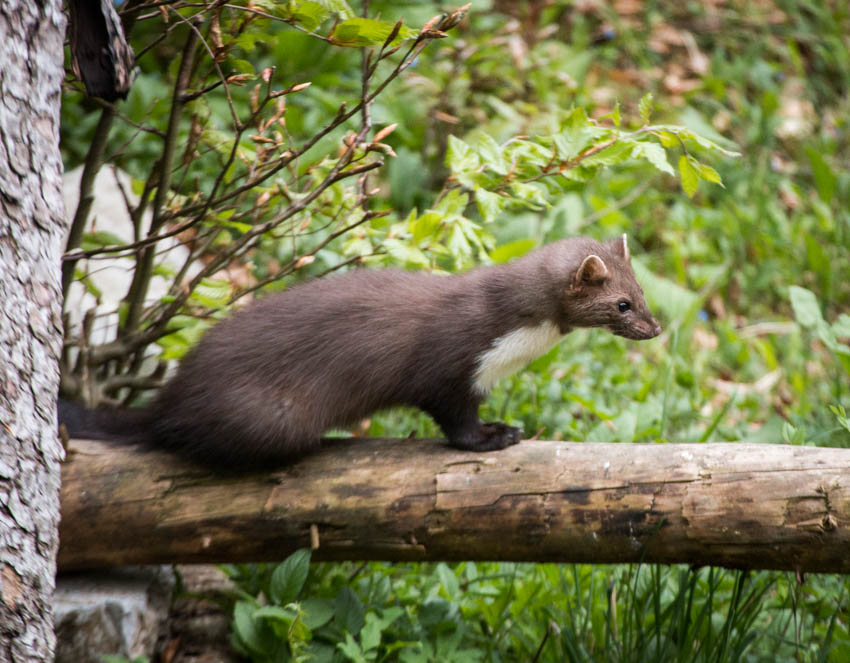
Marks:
<point>496,435</point>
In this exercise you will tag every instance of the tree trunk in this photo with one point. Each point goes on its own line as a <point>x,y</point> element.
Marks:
<point>31,227</point>
<point>738,505</point>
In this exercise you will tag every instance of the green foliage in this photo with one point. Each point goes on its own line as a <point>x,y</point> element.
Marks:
<point>507,612</point>
<point>518,128</point>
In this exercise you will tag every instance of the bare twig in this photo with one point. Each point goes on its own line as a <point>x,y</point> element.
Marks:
<point>138,288</point>
<point>94,159</point>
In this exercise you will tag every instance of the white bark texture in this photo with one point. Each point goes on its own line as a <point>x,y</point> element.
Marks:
<point>31,228</point>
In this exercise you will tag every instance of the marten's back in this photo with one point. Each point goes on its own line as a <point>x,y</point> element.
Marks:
<point>272,378</point>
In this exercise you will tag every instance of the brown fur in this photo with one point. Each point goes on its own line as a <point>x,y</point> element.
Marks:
<point>265,384</point>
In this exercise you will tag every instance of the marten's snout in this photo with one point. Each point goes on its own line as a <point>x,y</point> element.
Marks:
<point>647,328</point>
<point>638,329</point>
<point>656,329</point>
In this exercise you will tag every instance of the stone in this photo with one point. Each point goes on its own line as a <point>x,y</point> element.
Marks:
<point>121,611</point>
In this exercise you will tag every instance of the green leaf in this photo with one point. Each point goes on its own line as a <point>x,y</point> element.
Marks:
<point>405,255</point>
<point>317,612</point>
<point>655,154</point>
<point>460,157</point>
<point>531,194</point>
<point>101,238</point>
<point>368,32</point>
<point>289,577</point>
<point>645,107</point>
<point>351,649</point>
<point>841,327</point>
<point>426,226</point>
<point>708,174</point>
<point>458,245</point>
<point>489,204</point>
<point>805,305</point>
<point>276,612</point>
<point>447,579</point>
<point>577,134</point>
<point>690,179</point>
<point>370,635</point>
<point>671,135</point>
<point>615,115</point>
<point>339,7</point>
<point>246,629</point>
<point>505,252</point>
<point>348,611</point>
<point>310,14</point>
<point>247,41</point>
<point>825,179</point>
<point>491,154</point>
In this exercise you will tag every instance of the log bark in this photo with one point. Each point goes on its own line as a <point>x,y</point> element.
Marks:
<point>735,505</point>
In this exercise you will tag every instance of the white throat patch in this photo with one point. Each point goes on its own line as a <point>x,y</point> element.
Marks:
<point>512,351</point>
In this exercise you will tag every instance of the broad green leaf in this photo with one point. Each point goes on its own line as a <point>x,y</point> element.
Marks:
<point>531,194</point>
<point>460,157</point>
<point>348,611</point>
<point>618,153</point>
<point>511,250</point>
<point>404,254</point>
<point>367,32</point>
<point>447,579</point>
<point>316,612</point>
<point>491,153</point>
<point>242,66</point>
<point>247,41</point>
<point>489,204</point>
<point>246,629</point>
<point>655,154</point>
<point>276,612</point>
<point>453,203</point>
<point>289,577</point>
<point>458,245</point>
<point>426,226</point>
<point>310,14</point>
<point>690,179</point>
<point>805,305</point>
<point>370,634</point>
<point>708,174</point>
<point>577,134</point>
<point>339,7</point>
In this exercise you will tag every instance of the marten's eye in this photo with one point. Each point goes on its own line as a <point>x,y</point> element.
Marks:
<point>624,306</point>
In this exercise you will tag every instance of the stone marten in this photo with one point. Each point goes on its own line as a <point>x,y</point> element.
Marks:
<point>262,386</point>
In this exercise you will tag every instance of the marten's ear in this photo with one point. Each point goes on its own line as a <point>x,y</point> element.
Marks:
<point>621,247</point>
<point>591,270</point>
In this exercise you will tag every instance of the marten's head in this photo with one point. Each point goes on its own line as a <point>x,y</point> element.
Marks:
<point>603,292</point>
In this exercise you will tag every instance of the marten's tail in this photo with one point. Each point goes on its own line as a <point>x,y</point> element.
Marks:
<point>131,426</point>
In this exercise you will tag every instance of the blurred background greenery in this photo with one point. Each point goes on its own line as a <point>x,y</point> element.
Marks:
<point>750,280</point>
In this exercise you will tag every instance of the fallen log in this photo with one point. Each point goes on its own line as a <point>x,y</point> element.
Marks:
<point>734,505</point>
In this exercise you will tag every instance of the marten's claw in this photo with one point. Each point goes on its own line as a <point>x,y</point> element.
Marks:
<point>497,435</point>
